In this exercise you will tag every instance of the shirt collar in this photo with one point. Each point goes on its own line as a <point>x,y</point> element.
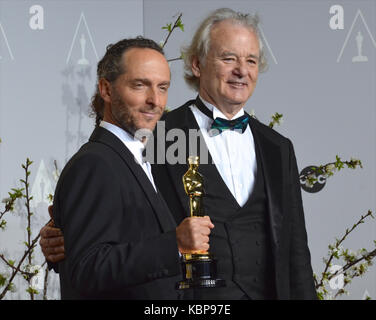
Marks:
<point>217,113</point>
<point>134,145</point>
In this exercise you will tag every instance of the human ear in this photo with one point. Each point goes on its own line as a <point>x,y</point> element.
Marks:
<point>104,87</point>
<point>196,67</point>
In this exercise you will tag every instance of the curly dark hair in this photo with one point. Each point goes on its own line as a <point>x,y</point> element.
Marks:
<point>110,67</point>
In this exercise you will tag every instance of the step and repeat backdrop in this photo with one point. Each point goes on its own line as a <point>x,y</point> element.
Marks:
<point>321,77</point>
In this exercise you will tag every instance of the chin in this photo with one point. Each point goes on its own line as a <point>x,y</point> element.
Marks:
<point>146,126</point>
<point>237,101</point>
<point>238,98</point>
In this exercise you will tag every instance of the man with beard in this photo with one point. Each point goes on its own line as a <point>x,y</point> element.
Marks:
<point>121,241</point>
<point>252,189</point>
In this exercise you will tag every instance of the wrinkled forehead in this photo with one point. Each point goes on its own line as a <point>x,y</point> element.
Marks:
<point>229,34</point>
<point>228,28</point>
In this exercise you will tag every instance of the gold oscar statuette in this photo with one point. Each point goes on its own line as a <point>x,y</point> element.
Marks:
<point>199,268</point>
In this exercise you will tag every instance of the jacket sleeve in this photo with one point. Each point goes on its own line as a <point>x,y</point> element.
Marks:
<point>301,274</point>
<point>89,207</point>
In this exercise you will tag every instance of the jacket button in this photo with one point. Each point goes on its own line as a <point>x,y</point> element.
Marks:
<point>257,243</point>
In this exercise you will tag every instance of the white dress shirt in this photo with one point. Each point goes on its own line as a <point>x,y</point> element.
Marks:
<point>135,146</point>
<point>233,153</point>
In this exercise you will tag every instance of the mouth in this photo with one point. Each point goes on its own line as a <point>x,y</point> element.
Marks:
<point>150,115</point>
<point>238,84</point>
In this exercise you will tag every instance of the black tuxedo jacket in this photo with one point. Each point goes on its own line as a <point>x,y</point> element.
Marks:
<point>120,239</point>
<point>293,271</point>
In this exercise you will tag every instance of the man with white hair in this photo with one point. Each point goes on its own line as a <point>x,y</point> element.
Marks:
<point>252,189</point>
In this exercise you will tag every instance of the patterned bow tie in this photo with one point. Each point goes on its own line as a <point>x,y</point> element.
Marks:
<point>220,124</point>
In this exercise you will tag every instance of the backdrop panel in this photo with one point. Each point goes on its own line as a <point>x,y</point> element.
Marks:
<point>49,54</point>
<point>326,96</point>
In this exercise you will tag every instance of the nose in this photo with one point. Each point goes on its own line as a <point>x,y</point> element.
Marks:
<point>152,97</point>
<point>241,69</point>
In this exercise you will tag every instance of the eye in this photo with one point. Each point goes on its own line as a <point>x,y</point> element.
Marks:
<point>138,85</point>
<point>163,88</point>
<point>252,61</point>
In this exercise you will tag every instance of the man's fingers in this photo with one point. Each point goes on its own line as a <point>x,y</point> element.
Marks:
<point>52,251</point>
<point>205,231</point>
<point>55,258</point>
<point>52,245</point>
<point>209,223</point>
<point>203,221</point>
<point>51,242</point>
<point>193,234</point>
<point>205,239</point>
<point>50,208</point>
<point>50,223</point>
<point>47,251</point>
<point>202,225</point>
<point>198,240</point>
<point>48,232</point>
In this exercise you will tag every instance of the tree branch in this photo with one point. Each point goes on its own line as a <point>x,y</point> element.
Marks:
<point>17,269</point>
<point>335,248</point>
<point>176,24</point>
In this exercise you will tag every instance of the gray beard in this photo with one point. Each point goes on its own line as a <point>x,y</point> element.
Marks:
<point>122,116</point>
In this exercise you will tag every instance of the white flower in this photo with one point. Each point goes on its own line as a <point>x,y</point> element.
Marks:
<point>361,252</point>
<point>37,281</point>
<point>330,168</point>
<point>6,200</point>
<point>55,175</point>
<point>356,162</point>
<point>13,288</point>
<point>308,184</point>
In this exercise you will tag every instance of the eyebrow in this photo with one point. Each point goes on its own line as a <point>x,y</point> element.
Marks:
<point>147,81</point>
<point>228,53</point>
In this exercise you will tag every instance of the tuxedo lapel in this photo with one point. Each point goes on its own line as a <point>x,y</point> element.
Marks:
<point>176,173</point>
<point>164,217</point>
<point>271,162</point>
<point>184,122</point>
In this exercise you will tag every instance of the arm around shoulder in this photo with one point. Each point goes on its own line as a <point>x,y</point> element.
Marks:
<point>100,258</point>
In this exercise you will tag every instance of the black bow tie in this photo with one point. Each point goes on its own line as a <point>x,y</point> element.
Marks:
<point>220,124</point>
